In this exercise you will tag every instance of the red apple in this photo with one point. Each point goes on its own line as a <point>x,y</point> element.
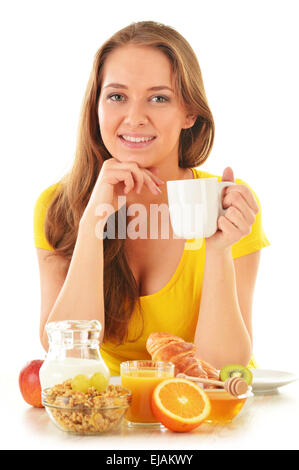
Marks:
<point>29,383</point>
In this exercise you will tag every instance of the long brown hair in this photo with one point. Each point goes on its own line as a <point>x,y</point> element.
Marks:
<point>75,188</point>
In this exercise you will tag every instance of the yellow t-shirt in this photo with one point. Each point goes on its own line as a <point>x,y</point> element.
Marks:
<point>175,307</point>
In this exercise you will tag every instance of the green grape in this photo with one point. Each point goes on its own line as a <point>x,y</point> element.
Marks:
<point>99,381</point>
<point>80,383</point>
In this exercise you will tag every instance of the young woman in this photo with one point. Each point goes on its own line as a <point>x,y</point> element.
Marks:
<point>146,84</point>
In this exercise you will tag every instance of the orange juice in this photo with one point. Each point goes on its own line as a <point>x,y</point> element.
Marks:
<point>224,407</point>
<point>141,378</point>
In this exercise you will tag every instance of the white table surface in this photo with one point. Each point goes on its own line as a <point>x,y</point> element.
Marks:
<point>268,421</point>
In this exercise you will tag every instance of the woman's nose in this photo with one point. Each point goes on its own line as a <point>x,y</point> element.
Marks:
<point>136,115</point>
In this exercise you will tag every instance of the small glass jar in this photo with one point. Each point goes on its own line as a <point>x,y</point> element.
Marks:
<point>73,349</point>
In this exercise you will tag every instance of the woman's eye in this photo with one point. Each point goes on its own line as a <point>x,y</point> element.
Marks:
<point>164,98</point>
<point>111,96</point>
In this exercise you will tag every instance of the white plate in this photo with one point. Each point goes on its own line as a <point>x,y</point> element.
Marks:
<point>265,380</point>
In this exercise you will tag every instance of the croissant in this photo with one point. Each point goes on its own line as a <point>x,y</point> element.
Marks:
<point>170,348</point>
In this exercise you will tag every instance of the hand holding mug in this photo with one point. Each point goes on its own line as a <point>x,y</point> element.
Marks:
<point>240,208</point>
<point>222,212</point>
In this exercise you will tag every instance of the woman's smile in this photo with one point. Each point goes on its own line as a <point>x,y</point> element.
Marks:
<point>135,144</point>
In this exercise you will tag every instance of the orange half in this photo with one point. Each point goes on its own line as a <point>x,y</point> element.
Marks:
<point>180,405</point>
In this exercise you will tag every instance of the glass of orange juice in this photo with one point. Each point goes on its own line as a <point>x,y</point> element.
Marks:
<point>141,378</point>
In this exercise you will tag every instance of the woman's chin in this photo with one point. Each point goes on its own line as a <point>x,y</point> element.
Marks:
<point>142,160</point>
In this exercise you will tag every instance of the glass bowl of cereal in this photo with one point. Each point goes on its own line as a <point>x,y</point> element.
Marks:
<point>86,413</point>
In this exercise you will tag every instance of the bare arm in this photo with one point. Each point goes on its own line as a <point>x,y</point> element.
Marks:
<point>223,334</point>
<point>246,269</point>
<point>78,293</point>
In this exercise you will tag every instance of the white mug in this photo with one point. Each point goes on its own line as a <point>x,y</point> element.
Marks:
<point>195,205</point>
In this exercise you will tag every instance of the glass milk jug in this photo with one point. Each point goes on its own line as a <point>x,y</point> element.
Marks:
<point>73,349</point>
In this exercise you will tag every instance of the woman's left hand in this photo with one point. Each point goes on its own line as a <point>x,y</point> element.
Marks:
<point>241,212</point>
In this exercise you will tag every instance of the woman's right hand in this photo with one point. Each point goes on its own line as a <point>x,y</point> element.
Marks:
<point>118,179</point>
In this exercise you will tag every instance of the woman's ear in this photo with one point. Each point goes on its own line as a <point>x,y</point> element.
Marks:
<point>189,121</point>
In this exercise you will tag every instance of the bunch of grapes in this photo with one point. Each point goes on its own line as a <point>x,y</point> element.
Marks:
<point>81,383</point>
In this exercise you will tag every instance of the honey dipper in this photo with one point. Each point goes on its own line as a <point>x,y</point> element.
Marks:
<point>235,385</point>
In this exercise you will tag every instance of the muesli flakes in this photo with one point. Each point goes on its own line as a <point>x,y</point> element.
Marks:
<point>86,413</point>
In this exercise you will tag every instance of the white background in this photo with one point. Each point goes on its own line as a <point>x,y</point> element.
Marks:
<point>248,54</point>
